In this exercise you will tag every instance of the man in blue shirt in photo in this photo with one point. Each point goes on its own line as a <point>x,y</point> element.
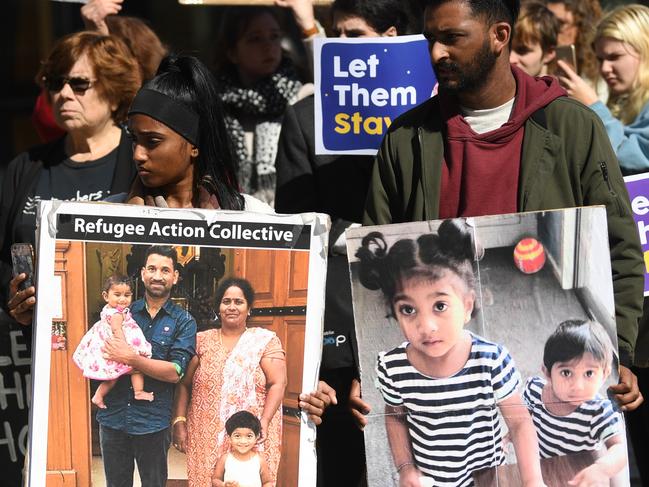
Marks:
<point>138,431</point>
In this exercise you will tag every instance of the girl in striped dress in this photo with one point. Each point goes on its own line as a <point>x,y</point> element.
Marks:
<point>444,386</point>
<point>569,414</point>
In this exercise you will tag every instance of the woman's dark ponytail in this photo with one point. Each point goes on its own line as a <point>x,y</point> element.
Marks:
<point>188,80</point>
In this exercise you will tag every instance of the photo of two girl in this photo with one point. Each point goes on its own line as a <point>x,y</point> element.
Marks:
<point>486,348</point>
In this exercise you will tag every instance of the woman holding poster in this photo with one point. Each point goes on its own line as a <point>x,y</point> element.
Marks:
<point>236,368</point>
<point>180,143</point>
<point>90,80</point>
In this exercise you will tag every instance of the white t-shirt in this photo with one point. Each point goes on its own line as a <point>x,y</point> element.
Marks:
<point>488,119</point>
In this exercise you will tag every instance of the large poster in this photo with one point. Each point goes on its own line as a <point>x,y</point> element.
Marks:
<point>486,348</point>
<point>115,283</point>
<point>362,85</point>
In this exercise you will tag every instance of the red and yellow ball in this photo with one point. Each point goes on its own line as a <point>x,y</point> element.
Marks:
<point>529,255</point>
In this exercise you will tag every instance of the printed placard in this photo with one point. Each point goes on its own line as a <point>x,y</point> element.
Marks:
<point>100,262</point>
<point>638,188</point>
<point>486,348</point>
<point>362,85</point>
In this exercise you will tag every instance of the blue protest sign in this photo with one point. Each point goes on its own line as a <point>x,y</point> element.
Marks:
<point>638,188</point>
<point>362,85</point>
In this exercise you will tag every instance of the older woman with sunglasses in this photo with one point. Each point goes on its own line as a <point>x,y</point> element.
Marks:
<point>90,80</point>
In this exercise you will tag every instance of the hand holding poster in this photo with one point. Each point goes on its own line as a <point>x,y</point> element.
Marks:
<point>362,85</point>
<point>478,369</point>
<point>226,304</point>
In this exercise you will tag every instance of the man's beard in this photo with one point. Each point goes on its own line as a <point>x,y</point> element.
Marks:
<point>159,292</point>
<point>473,75</point>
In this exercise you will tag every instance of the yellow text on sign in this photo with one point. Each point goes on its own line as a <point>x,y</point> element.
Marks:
<point>356,123</point>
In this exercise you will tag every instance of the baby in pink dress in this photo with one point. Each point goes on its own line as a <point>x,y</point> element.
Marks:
<point>116,320</point>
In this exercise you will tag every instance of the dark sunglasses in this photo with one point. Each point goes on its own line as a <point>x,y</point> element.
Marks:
<point>78,85</point>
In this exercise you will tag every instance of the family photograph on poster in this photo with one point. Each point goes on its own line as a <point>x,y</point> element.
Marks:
<point>179,335</point>
<point>486,347</point>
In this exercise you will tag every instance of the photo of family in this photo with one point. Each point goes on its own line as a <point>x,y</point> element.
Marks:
<point>186,356</point>
<point>486,347</point>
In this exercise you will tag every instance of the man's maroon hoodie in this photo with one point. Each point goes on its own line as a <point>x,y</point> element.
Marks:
<point>480,171</point>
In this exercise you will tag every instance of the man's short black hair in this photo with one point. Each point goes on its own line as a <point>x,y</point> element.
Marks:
<point>243,419</point>
<point>380,15</point>
<point>491,10</point>
<point>165,251</point>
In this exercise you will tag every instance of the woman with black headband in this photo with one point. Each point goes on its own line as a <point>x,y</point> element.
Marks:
<point>181,148</point>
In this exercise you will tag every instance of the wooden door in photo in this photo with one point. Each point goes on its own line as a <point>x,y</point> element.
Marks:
<point>68,439</point>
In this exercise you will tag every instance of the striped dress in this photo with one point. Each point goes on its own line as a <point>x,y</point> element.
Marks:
<point>584,429</point>
<point>453,422</point>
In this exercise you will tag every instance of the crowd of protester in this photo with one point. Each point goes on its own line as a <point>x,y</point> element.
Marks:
<point>247,142</point>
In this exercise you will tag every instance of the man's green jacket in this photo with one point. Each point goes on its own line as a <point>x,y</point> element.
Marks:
<point>566,161</point>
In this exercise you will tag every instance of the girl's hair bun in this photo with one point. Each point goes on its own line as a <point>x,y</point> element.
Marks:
<point>457,240</point>
<point>372,255</point>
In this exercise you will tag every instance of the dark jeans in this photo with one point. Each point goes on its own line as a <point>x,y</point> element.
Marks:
<point>120,451</point>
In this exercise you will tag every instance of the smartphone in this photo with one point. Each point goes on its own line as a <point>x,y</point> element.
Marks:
<point>567,54</point>
<point>22,259</point>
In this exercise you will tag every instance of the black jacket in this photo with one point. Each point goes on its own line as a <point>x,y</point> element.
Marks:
<point>19,182</point>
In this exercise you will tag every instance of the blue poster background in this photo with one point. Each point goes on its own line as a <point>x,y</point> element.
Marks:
<point>638,188</point>
<point>403,78</point>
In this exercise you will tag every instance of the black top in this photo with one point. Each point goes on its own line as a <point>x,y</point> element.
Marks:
<point>332,184</point>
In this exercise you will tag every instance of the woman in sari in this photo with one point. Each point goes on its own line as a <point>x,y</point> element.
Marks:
<point>235,368</point>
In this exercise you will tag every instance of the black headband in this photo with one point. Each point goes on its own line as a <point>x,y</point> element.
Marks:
<point>170,112</point>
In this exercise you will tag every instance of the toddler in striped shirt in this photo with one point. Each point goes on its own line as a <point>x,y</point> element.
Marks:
<point>568,412</point>
<point>444,387</point>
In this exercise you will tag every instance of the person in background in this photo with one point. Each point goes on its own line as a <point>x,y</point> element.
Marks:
<point>310,29</point>
<point>256,82</point>
<point>335,185</point>
<point>577,19</point>
<point>148,49</point>
<point>622,47</point>
<point>90,80</point>
<point>99,15</point>
<point>535,39</point>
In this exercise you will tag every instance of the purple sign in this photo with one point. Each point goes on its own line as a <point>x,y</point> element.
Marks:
<point>638,188</point>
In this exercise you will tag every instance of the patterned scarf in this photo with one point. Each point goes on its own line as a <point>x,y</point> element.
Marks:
<point>265,103</point>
